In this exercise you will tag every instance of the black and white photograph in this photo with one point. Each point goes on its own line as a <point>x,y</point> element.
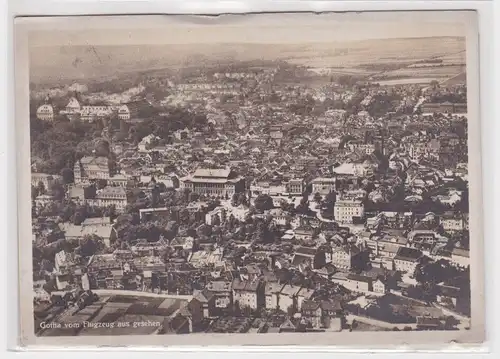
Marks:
<point>272,175</point>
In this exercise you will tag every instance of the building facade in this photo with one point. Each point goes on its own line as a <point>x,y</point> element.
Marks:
<point>213,182</point>
<point>45,113</point>
<point>346,210</point>
<point>110,196</point>
<point>323,186</point>
<point>91,168</point>
<point>249,294</point>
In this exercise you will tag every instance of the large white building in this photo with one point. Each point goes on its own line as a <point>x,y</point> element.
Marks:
<point>110,196</point>
<point>124,112</point>
<point>92,112</point>
<point>46,179</point>
<point>45,112</point>
<point>213,182</point>
<point>73,106</point>
<point>346,210</point>
<point>90,168</point>
<point>323,185</point>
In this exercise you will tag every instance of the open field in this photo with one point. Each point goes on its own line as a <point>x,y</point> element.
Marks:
<point>461,78</point>
<point>106,60</point>
<point>407,81</point>
<point>437,72</point>
<point>456,58</point>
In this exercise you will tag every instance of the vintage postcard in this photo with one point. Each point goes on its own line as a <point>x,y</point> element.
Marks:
<point>273,179</point>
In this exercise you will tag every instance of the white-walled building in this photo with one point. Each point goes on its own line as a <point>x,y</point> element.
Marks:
<point>124,112</point>
<point>73,106</point>
<point>323,186</point>
<point>45,113</point>
<point>346,210</point>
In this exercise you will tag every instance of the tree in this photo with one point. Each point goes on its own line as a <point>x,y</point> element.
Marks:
<point>90,244</point>
<point>193,197</point>
<point>329,202</point>
<point>303,206</point>
<point>242,199</point>
<point>110,212</point>
<point>79,216</point>
<point>317,197</point>
<point>216,221</point>
<point>435,272</point>
<point>101,183</point>
<point>67,175</point>
<point>263,202</point>
<point>235,200</point>
<point>102,148</point>
<point>41,188</point>
<point>184,216</point>
<point>34,192</point>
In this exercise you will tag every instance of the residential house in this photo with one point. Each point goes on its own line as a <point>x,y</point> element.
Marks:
<point>219,213</point>
<point>182,243</point>
<point>461,257</point>
<point>110,196</point>
<point>348,211</point>
<point>272,291</point>
<point>303,295</point>
<point>47,180</point>
<point>249,293</point>
<point>288,297</point>
<point>170,181</point>
<point>321,313</point>
<point>288,327</point>
<point>144,247</point>
<point>222,290</point>
<point>308,257</point>
<point>304,233</point>
<point>423,239</point>
<point>64,266</point>
<point>380,287</point>
<point>149,214</point>
<point>295,187</point>
<point>279,217</point>
<point>407,259</point>
<point>323,185</point>
<point>359,283</point>
<point>347,257</point>
<point>100,227</point>
<point>271,188</point>
<point>43,200</point>
<point>452,222</point>
<point>91,168</point>
<point>202,306</point>
<point>147,142</point>
<point>327,271</point>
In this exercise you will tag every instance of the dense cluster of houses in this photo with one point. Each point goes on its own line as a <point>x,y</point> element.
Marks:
<point>354,202</point>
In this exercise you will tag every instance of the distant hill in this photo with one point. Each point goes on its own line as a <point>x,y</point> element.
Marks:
<point>54,64</point>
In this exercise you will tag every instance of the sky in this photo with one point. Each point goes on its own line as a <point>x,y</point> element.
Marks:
<point>271,28</point>
<point>54,45</point>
